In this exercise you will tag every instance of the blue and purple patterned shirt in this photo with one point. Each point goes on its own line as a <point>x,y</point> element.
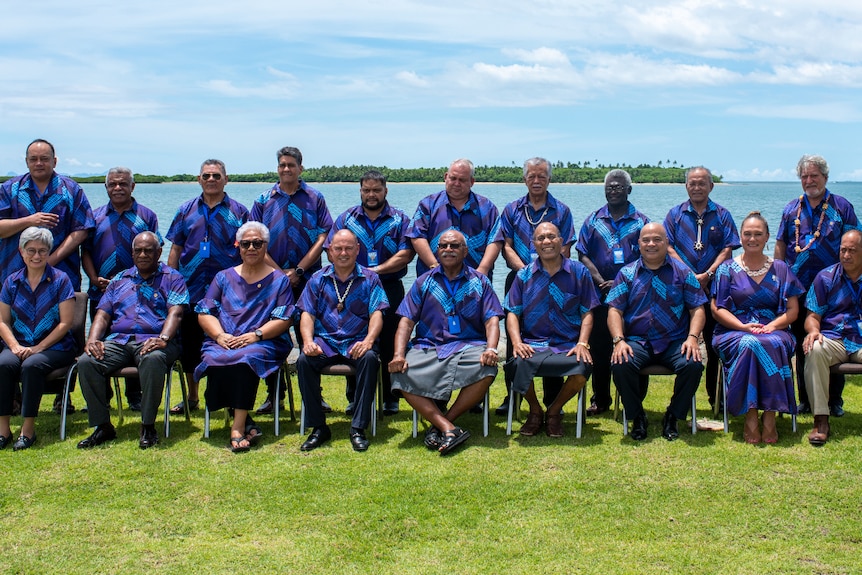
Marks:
<point>838,302</point>
<point>337,331</point>
<point>600,235</point>
<point>35,314</point>
<point>840,217</point>
<point>718,231</point>
<point>138,307</point>
<point>433,298</point>
<point>242,307</point>
<point>477,220</point>
<point>110,244</point>
<point>551,308</point>
<point>654,302</point>
<point>19,198</point>
<point>294,221</point>
<point>195,224</point>
<point>515,224</point>
<point>387,235</point>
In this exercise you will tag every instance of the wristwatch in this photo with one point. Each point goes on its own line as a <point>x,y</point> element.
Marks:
<point>617,339</point>
<point>164,338</point>
<point>299,271</point>
<point>259,334</point>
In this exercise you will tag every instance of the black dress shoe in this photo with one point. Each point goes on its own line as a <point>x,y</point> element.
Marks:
<point>100,435</point>
<point>266,408</point>
<point>135,405</point>
<point>325,406</point>
<point>149,437</point>
<point>358,440</point>
<point>803,408</point>
<point>478,408</point>
<point>318,437</point>
<point>668,427</point>
<point>350,409</point>
<point>836,410</point>
<point>639,427</point>
<point>24,442</point>
<point>504,407</point>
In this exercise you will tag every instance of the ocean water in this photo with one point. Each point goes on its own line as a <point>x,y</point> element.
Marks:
<point>652,199</point>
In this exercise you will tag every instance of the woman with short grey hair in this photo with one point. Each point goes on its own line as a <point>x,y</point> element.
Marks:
<point>37,305</point>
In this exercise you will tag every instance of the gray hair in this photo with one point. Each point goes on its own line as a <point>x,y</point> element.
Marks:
<point>146,234</point>
<point>537,161</point>
<point>815,160</point>
<point>619,174</point>
<point>695,168</point>
<point>122,171</point>
<point>464,162</point>
<point>34,234</point>
<point>253,226</point>
<point>289,151</point>
<point>214,162</point>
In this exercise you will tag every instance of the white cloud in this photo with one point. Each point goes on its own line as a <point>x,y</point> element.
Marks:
<point>825,112</point>
<point>412,79</point>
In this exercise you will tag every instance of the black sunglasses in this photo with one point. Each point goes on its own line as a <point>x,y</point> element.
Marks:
<point>245,244</point>
<point>216,176</point>
<point>450,246</point>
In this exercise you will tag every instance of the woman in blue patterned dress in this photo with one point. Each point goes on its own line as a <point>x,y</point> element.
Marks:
<point>754,300</point>
<point>245,315</point>
<point>37,306</point>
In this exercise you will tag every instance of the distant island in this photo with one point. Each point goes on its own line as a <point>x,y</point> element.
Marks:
<point>568,173</point>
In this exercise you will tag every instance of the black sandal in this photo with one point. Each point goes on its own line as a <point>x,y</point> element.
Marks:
<point>250,427</point>
<point>235,446</point>
<point>451,439</point>
<point>5,440</point>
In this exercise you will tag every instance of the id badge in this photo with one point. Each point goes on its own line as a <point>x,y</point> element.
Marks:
<point>454,324</point>
<point>372,259</point>
<point>859,326</point>
<point>618,256</point>
<point>204,249</point>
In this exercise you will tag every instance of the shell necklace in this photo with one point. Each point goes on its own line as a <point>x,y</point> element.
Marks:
<point>758,272</point>
<point>816,233</point>
<point>341,297</point>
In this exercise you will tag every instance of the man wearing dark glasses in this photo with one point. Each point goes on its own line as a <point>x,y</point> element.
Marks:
<point>203,234</point>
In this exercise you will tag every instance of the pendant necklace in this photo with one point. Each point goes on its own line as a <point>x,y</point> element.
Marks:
<point>698,245</point>
<point>341,298</point>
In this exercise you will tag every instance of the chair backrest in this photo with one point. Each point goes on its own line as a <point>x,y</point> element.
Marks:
<point>79,322</point>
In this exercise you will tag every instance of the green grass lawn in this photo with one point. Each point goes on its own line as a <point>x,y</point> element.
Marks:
<point>707,503</point>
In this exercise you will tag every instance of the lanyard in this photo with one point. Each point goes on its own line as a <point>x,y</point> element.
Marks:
<point>451,289</point>
<point>208,216</point>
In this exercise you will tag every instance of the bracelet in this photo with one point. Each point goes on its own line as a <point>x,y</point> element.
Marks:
<point>494,349</point>
<point>693,335</point>
<point>583,343</point>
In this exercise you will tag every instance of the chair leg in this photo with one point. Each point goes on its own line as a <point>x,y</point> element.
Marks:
<point>374,411</point>
<point>579,426</point>
<point>415,423</point>
<point>168,404</point>
<point>512,403</point>
<point>66,389</point>
<point>485,410</point>
<point>206,421</point>
<point>302,417</point>
<point>724,395</point>
<point>288,384</point>
<point>693,414</point>
<point>276,412</point>
<point>184,390</point>
<point>119,400</point>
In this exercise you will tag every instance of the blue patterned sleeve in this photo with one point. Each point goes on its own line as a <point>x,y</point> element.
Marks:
<point>211,304</point>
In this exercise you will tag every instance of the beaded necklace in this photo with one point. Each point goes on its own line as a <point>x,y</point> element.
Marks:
<point>542,217</point>
<point>758,272</point>
<point>816,233</point>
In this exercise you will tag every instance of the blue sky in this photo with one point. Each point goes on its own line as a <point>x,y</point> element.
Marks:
<point>744,88</point>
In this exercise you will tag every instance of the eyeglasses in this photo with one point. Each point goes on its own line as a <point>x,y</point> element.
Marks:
<point>144,251</point>
<point>450,246</point>
<point>33,251</point>
<point>614,187</point>
<point>216,176</point>
<point>257,244</point>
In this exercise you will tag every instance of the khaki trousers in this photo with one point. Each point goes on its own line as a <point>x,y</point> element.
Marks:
<point>817,363</point>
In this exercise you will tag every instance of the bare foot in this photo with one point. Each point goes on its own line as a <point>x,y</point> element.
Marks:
<point>752,427</point>
<point>770,433</point>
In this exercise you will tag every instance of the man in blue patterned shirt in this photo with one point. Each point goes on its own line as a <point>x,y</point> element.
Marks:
<point>298,221</point>
<point>456,207</point>
<point>43,198</point>
<point>702,234</point>
<point>833,326</point>
<point>656,315</point>
<point>549,321</point>
<point>203,234</point>
<point>108,251</point>
<point>808,239</point>
<point>457,318</point>
<point>341,310</point>
<point>608,240</point>
<point>517,224</point>
<point>384,248</point>
<point>136,325</point>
